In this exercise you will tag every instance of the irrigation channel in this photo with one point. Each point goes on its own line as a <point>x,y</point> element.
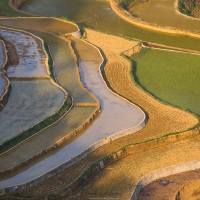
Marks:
<point>116,115</point>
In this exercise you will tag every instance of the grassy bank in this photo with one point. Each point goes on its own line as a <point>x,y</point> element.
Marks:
<point>169,76</point>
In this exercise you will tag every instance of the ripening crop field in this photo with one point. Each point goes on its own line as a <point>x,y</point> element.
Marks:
<point>172,77</point>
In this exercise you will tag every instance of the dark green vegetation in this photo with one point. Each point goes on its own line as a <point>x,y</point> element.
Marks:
<point>98,15</point>
<point>38,127</point>
<point>127,3</point>
<point>50,62</point>
<point>170,76</point>
<point>190,7</point>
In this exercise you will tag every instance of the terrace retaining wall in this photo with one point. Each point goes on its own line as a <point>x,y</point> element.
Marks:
<point>138,22</point>
<point>7,93</point>
<point>5,96</point>
<point>72,136</point>
<point>15,4</point>
<point>107,160</point>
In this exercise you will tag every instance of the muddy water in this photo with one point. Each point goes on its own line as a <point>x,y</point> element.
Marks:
<point>162,12</point>
<point>44,24</point>
<point>116,115</point>
<point>100,16</point>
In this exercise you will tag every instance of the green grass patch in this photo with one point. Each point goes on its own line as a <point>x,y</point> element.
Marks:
<point>172,77</point>
<point>50,62</point>
<point>5,10</point>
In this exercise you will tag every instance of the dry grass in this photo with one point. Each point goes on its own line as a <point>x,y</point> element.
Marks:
<point>119,179</point>
<point>162,119</point>
<point>117,71</point>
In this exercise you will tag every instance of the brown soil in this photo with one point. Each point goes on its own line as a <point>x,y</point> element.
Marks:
<point>13,58</point>
<point>168,187</point>
<point>115,181</point>
<point>190,191</point>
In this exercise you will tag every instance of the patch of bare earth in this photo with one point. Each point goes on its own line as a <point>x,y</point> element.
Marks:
<point>168,187</point>
<point>13,58</point>
<point>31,60</point>
<point>118,180</point>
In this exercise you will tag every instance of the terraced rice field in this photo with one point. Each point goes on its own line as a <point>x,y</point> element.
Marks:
<point>64,62</point>
<point>52,25</point>
<point>32,60</point>
<point>74,119</point>
<point>66,67</point>
<point>112,121</point>
<point>162,119</point>
<point>99,15</point>
<point>170,76</point>
<point>26,106</point>
<point>164,13</point>
<point>119,179</point>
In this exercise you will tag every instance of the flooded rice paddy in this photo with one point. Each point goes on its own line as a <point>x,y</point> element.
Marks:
<point>163,13</point>
<point>99,16</point>
<point>107,124</point>
<point>29,103</point>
